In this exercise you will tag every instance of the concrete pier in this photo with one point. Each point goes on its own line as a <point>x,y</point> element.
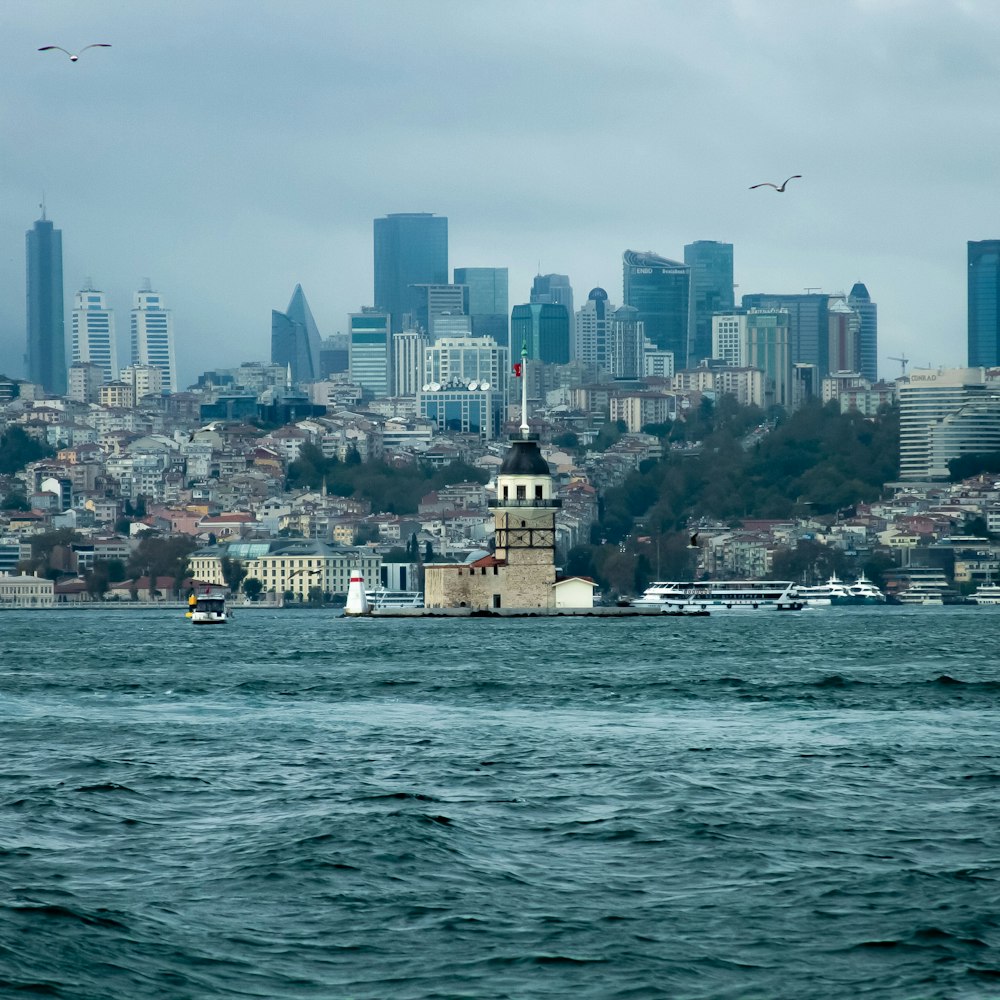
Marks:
<point>598,612</point>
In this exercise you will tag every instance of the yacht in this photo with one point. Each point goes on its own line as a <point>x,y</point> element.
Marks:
<point>986,593</point>
<point>721,596</point>
<point>831,592</point>
<point>207,606</point>
<point>862,591</point>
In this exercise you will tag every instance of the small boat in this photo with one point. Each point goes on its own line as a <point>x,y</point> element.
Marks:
<point>830,592</point>
<point>207,606</point>
<point>721,596</point>
<point>986,593</point>
<point>383,598</point>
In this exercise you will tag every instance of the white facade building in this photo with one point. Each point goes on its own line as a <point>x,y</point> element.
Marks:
<point>408,362</point>
<point>729,338</point>
<point>94,332</point>
<point>153,336</point>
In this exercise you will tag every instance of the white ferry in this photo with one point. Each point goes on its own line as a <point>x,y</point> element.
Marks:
<point>383,598</point>
<point>207,606</point>
<point>921,593</point>
<point>862,591</point>
<point>834,591</point>
<point>986,593</point>
<point>722,596</point>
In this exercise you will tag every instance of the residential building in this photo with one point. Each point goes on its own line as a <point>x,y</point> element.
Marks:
<point>295,339</point>
<point>117,394</point>
<point>486,301</point>
<point>371,352</point>
<point>85,381</point>
<point>860,301</point>
<point>153,336</point>
<point>145,380</point>
<point>729,337</point>
<point>657,364</point>
<point>984,303</point>
<point>94,338</point>
<point>660,289</point>
<point>626,344</point>
<point>46,354</point>
<point>711,266</point>
<point>411,248</point>
<point>638,409</point>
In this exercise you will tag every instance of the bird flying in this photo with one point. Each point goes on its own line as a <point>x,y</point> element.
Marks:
<point>73,56</point>
<point>768,184</point>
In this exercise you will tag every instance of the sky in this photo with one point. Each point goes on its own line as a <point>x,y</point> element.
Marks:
<point>229,150</point>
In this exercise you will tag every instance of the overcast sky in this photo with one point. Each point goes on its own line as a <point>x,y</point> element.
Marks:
<point>229,150</point>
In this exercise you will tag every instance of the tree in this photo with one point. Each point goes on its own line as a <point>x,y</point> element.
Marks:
<point>233,572</point>
<point>315,596</point>
<point>289,596</point>
<point>428,552</point>
<point>252,587</point>
<point>16,500</point>
<point>18,448</point>
<point>159,556</point>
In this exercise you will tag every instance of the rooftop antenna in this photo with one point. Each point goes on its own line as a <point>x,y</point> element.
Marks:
<point>42,206</point>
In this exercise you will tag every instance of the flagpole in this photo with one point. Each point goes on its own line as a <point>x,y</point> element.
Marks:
<point>525,430</point>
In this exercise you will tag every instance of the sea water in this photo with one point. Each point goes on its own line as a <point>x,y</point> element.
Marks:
<point>298,805</point>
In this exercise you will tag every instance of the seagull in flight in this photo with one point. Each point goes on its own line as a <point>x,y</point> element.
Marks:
<point>768,184</point>
<point>73,56</point>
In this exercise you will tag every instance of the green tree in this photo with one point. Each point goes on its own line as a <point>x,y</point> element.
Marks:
<point>18,448</point>
<point>161,556</point>
<point>315,596</point>
<point>233,572</point>
<point>252,587</point>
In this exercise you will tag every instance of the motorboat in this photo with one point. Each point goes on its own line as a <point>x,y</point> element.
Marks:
<point>383,598</point>
<point>207,605</point>
<point>862,591</point>
<point>716,596</point>
<point>921,593</point>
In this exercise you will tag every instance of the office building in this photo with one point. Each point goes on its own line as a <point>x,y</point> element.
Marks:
<point>657,364</point>
<point>769,349</point>
<point>592,330</point>
<point>544,329</point>
<point>431,302</point>
<point>660,289</point>
<point>944,414</point>
<point>552,289</point>
<point>334,355</point>
<point>844,345</point>
<point>408,362</point>
<point>153,336</point>
<point>371,352</point>
<point>94,332</point>
<point>729,337</point>
<point>468,359</point>
<point>808,325</point>
<point>457,408</point>
<point>46,354</point>
<point>411,248</point>
<point>295,339</point>
<point>984,303</point>
<point>711,266</point>
<point>626,344</point>
<point>860,301</point>
<point>486,301</point>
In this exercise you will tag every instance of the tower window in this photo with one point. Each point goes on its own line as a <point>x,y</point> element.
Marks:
<point>538,492</point>
<point>522,492</point>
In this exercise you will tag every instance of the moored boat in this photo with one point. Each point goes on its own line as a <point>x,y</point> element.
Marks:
<point>721,596</point>
<point>831,592</point>
<point>862,591</point>
<point>986,593</point>
<point>207,606</point>
<point>383,598</point>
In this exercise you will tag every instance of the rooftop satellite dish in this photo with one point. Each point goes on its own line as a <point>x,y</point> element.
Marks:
<point>426,387</point>
<point>435,387</point>
<point>484,386</point>
<point>473,386</point>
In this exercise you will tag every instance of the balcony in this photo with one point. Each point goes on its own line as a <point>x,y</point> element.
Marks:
<point>511,503</point>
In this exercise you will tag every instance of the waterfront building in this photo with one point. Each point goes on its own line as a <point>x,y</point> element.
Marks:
<point>371,352</point>
<point>153,336</point>
<point>23,591</point>
<point>711,266</point>
<point>984,302</point>
<point>93,327</point>
<point>729,337</point>
<point>660,289</point>
<point>295,339</point>
<point>844,345</point>
<point>46,354</point>
<point>808,325</point>
<point>769,349</point>
<point>544,328</point>
<point>860,301</point>
<point>411,248</point>
<point>85,381</point>
<point>944,414</point>
<point>408,362</point>
<point>486,301</point>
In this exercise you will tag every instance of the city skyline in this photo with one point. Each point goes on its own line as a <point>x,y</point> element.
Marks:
<point>251,182</point>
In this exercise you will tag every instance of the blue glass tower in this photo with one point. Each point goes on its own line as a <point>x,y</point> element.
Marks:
<point>295,339</point>
<point>486,301</point>
<point>411,248</point>
<point>711,266</point>
<point>861,302</point>
<point>46,327</point>
<point>984,303</point>
<point>544,328</point>
<point>660,290</point>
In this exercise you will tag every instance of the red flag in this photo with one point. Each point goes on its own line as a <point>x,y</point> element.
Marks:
<point>517,369</point>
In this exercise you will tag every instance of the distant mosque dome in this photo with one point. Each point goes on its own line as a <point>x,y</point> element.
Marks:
<point>598,295</point>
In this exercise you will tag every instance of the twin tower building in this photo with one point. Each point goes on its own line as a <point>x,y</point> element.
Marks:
<point>94,351</point>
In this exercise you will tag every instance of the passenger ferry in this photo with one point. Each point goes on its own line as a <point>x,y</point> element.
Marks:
<point>383,598</point>
<point>986,593</point>
<point>722,596</point>
<point>207,606</point>
<point>921,593</point>
<point>831,592</point>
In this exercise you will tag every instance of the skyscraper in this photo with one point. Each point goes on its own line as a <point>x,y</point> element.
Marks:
<point>433,301</point>
<point>411,248</point>
<point>860,301</point>
<point>544,328</point>
<point>371,352</point>
<point>711,266</point>
<point>769,349</point>
<point>486,301</point>
<point>808,325</point>
<point>592,330</point>
<point>552,288</point>
<point>844,345</point>
<point>984,303</point>
<point>153,336</point>
<point>660,290</point>
<point>46,328</point>
<point>94,331</point>
<point>295,340</point>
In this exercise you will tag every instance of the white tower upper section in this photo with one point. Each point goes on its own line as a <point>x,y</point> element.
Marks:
<point>153,336</point>
<point>94,332</point>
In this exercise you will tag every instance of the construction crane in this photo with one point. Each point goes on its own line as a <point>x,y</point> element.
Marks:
<point>904,361</point>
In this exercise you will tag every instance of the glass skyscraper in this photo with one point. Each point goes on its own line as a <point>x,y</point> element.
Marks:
<point>46,355</point>
<point>660,290</point>
<point>861,302</point>
<point>486,301</point>
<point>371,352</point>
<point>984,303</point>
<point>544,328</point>
<point>711,266</point>
<point>411,248</point>
<point>808,325</point>
<point>295,339</point>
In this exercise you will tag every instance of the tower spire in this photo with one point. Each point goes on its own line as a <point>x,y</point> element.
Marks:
<point>42,207</point>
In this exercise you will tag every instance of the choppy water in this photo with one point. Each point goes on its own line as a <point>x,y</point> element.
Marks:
<point>301,806</point>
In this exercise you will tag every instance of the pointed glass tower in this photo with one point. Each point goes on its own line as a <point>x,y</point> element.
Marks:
<point>295,339</point>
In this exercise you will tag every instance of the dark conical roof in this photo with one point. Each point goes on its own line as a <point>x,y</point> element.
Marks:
<point>524,459</point>
<point>860,292</point>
